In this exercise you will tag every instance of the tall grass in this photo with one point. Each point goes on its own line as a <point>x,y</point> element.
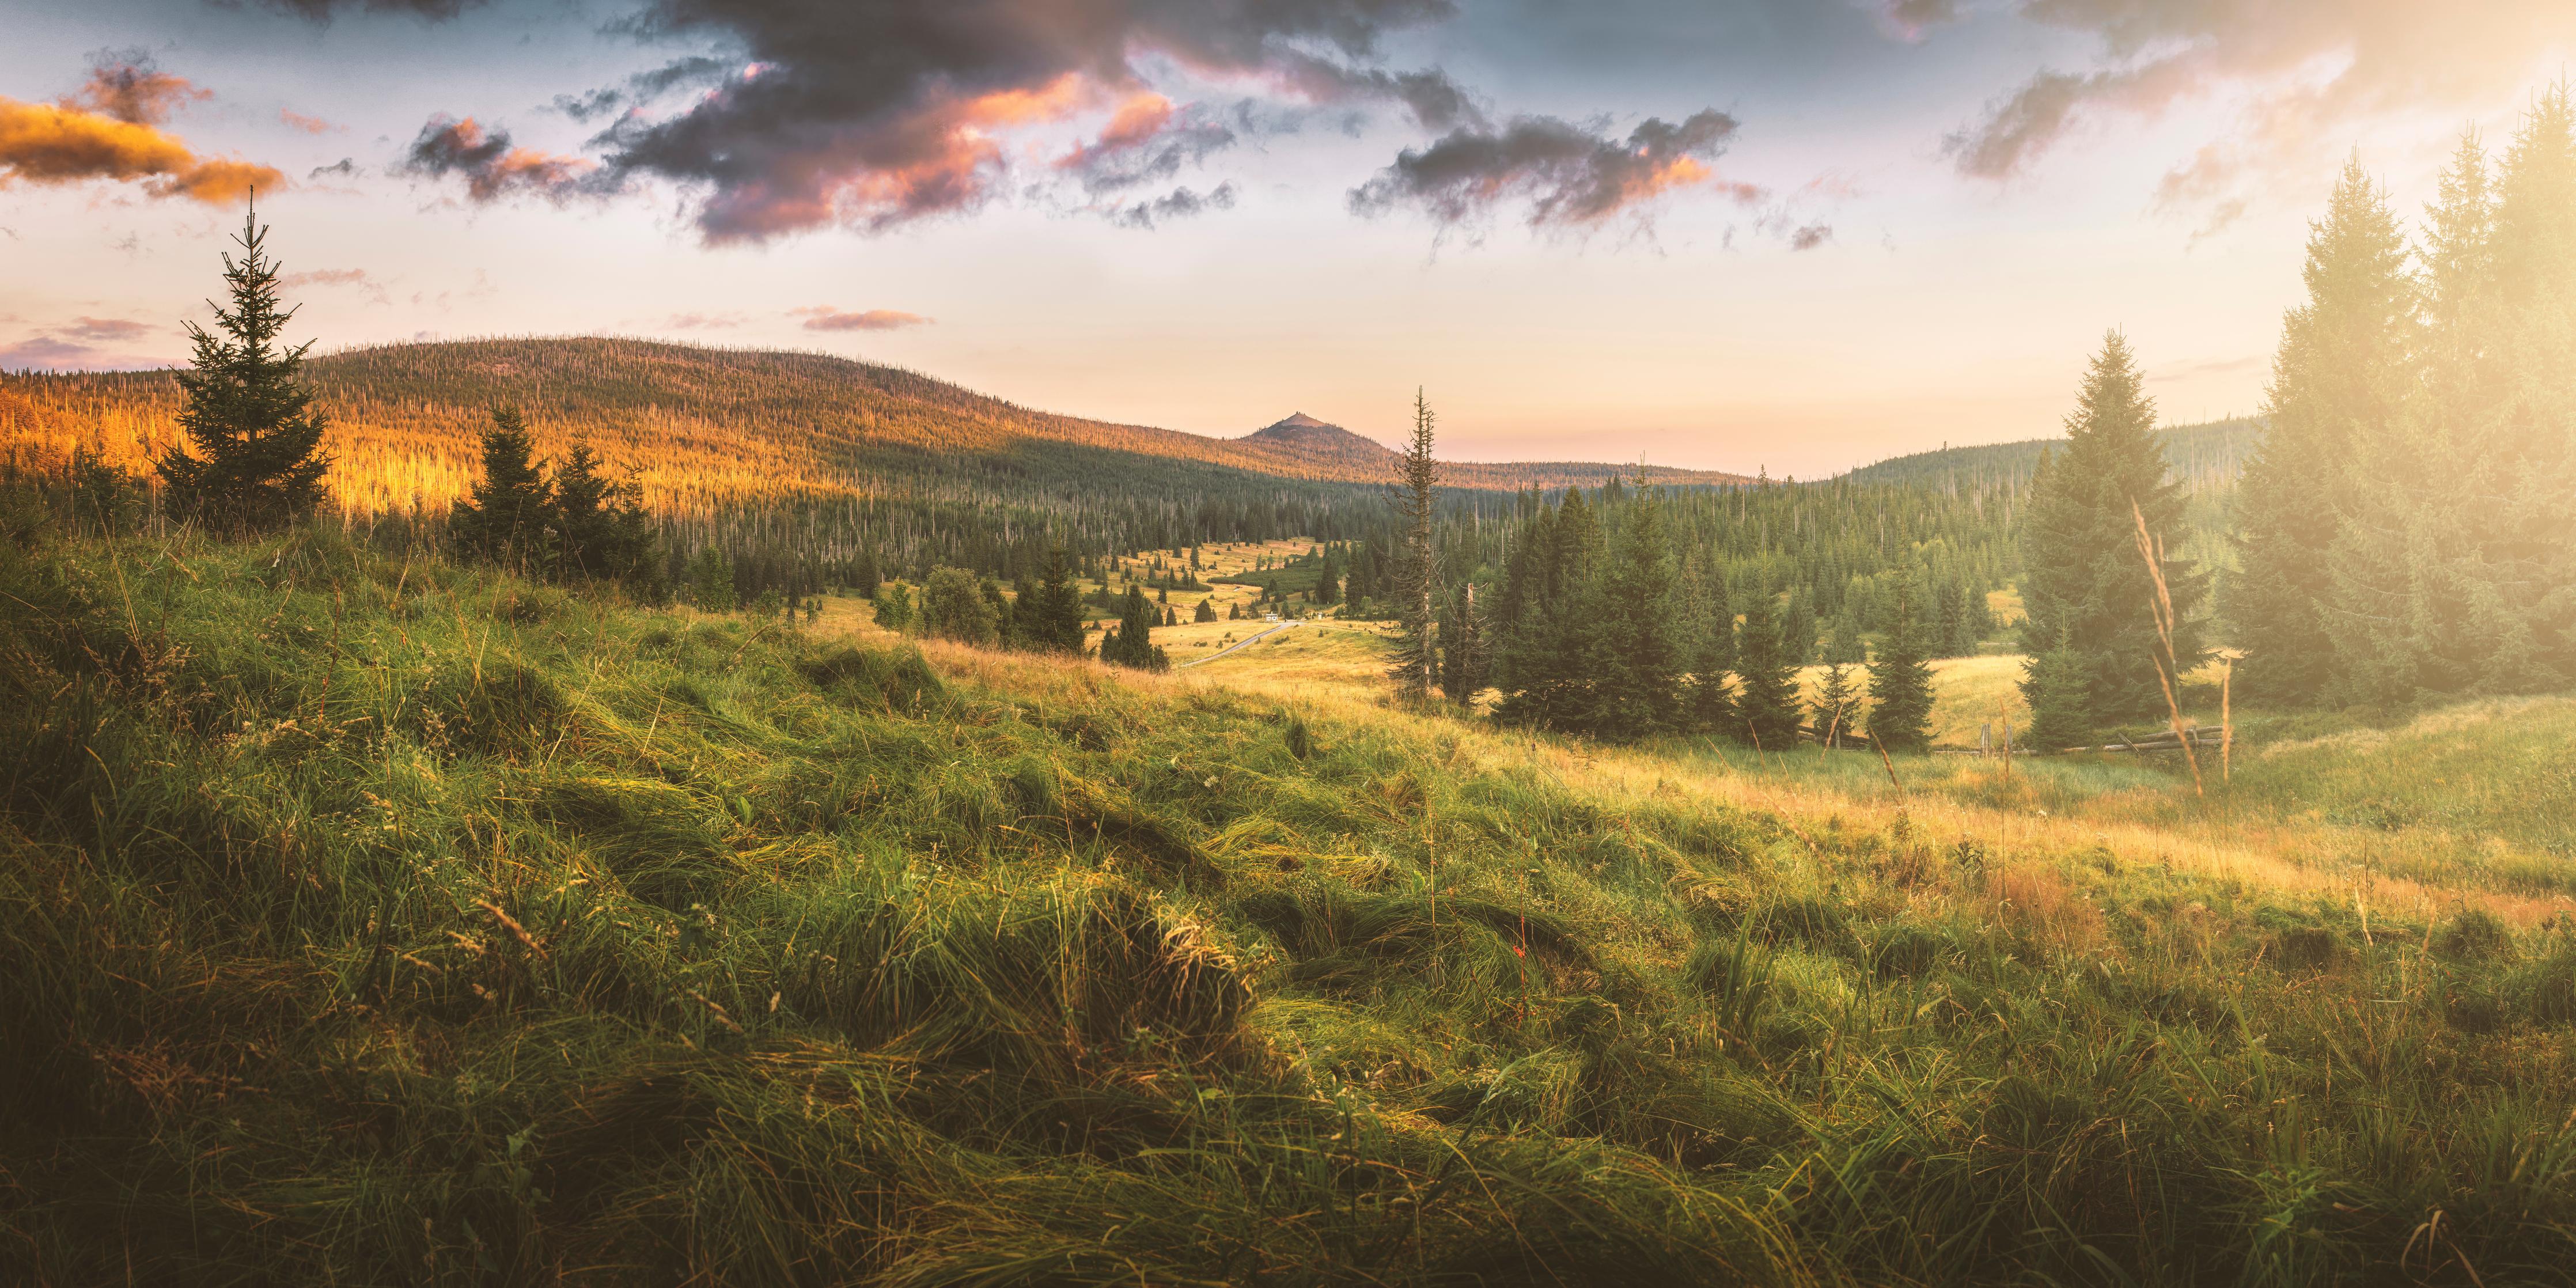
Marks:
<point>367,919</point>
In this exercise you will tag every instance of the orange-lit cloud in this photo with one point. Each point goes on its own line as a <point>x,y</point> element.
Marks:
<point>44,143</point>
<point>881,114</point>
<point>308,124</point>
<point>822,317</point>
<point>490,165</point>
<point>1136,123</point>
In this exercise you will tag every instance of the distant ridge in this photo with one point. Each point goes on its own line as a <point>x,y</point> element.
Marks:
<point>2201,456</point>
<point>704,426</point>
<point>1301,443</point>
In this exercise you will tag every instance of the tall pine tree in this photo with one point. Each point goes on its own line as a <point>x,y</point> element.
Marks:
<point>1417,663</point>
<point>1766,691</point>
<point>254,457</point>
<point>1900,680</point>
<point>2338,384</point>
<point>2084,582</point>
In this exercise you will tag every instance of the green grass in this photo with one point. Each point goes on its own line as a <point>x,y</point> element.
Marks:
<point>365,919</point>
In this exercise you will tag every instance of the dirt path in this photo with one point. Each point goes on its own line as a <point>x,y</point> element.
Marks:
<point>1247,642</point>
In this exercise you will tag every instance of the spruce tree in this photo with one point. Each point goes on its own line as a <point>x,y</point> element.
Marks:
<point>256,461</point>
<point>2456,571</point>
<point>1709,700</point>
<point>1835,710</point>
<point>2084,581</point>
<point>1547,596</point>
<point>2338,383</point>
<point>601,524</point>
<point>509,516</point>
<point>1766,697</point>
<point>1837,707</point>
<point>1132,643</point>
<point>1900,680</point>
<point>1057,624</point>
<point>1632,657</point>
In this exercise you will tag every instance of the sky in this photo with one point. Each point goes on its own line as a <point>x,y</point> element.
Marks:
<point>1786,235</point>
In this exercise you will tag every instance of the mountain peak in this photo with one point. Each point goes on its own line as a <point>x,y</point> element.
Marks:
<point>1300,420</point>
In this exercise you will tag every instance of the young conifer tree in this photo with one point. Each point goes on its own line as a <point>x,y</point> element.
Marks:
<point>1057,627</point>
<point>1836,710</point>
<point>1900,679</point>
<point>2338,385</point>
<point>254,456</point>
<point>2084,583</point>
<point>509,516</point>
<point>1708,700</point>
<point>602,523</point>
<point>1416,664</point>
<point>1631,654</point>
<point>1766,698</point>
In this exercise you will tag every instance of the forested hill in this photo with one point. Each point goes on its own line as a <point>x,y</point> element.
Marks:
<point>714,427</point>
<point>2202,456</point>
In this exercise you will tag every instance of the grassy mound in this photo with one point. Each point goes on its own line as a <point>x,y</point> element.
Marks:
<point>366,919</point>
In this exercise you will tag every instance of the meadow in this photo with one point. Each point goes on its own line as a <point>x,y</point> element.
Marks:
<point>367,918</point>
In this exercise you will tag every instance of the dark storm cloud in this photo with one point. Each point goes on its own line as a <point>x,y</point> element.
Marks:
<point>1568,175</point>
<point>491,166</point>
<point>875,115</point>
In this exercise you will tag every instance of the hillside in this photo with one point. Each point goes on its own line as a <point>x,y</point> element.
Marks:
<point>712,427</point>
<point>2204,456</point>
<point>365,919</point>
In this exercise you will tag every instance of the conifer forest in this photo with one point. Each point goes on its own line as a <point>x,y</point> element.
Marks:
<point>641,800</point>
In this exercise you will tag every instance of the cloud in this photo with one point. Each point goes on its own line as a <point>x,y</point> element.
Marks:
<point>344,168</point>
<point>2304,81</point>
<point>357,278</point>
<point>491,167</point>
<point>323,11</point>
<point>1146,141</point>
<point>110,330</point>
<point>308,124</point>
<point>822,317</point>
<point>43,352</point>
<point>872,116</point>
<point>1810,236</point>
<point>125,85</point>
<point>50,144</point>
<point>1910,20</point>
<point>1179,203</point>
<point>1569,176</point>
<point>709,321</point>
